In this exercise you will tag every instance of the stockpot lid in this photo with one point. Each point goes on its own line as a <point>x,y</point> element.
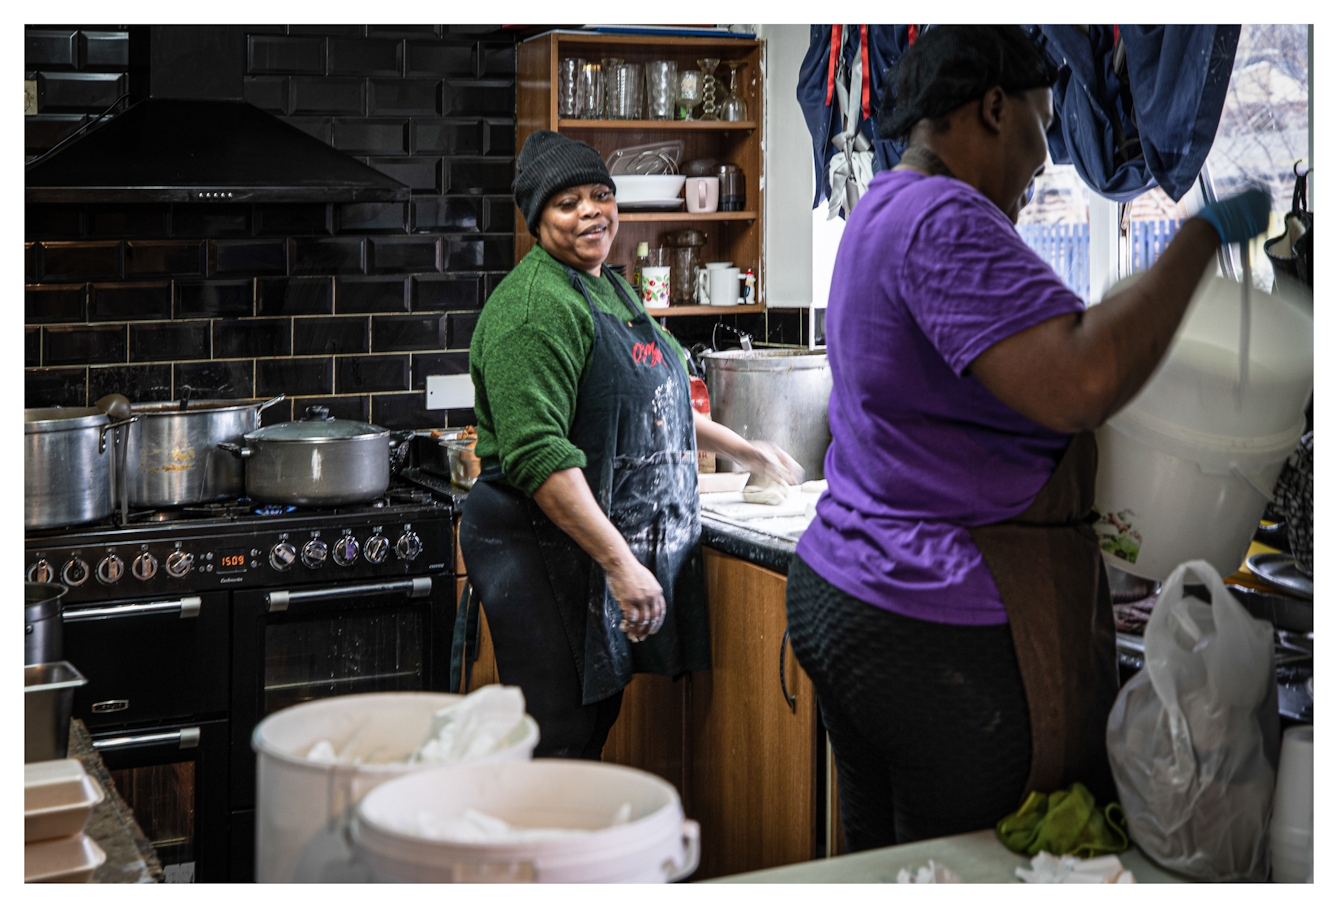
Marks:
<point>61,419</point>
<point>317,425</point>
<point>42,600</point>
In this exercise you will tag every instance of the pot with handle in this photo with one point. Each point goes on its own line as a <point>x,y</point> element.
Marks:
<point>67,466</point>
<point>316,461</point>
<point>173,459</point>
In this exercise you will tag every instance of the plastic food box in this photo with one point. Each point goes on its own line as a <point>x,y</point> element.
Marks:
<point>72,859</point>
<point>58,797</point>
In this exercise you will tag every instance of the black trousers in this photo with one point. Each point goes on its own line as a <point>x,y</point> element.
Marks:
<point>928,722</point>
<point>506,567</point>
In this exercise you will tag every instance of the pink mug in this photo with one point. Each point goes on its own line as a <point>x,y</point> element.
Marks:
<point>702,194</point>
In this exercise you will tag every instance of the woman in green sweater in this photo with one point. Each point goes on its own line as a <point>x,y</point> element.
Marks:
<point>582,534</point>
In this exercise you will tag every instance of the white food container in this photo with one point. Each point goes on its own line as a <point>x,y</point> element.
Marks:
<point>72,859</point>
<point>58,796</point>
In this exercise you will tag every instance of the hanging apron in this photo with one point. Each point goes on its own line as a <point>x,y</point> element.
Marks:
<point>1047,566</point>
<point>634,423</point>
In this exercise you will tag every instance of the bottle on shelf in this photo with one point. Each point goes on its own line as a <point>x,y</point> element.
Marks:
<point>749,288</point>
<point>642,260</point>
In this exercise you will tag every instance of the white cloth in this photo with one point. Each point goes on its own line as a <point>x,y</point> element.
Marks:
<point>934,873</point>
<point>476,725</point>
<point>1046,868</point>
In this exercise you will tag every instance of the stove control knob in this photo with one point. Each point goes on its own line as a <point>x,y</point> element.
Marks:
<point>346,551</point>
<point>110,569</point>
<point>282,556</point>
<point>179,564</point>
<point>314,552</point>
<point>409,546</point>
<point>41,571</point>
<point>144,566</point>
<point>376,548</point>
<point>75,572</point>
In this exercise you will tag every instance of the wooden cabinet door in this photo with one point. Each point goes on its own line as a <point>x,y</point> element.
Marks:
<point>755,764</point>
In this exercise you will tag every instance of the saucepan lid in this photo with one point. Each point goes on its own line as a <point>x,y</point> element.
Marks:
<point>317,425</point>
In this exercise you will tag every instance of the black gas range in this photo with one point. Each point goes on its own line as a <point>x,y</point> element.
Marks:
<point>193,624</point>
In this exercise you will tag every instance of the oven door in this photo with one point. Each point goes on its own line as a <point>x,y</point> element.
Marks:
<point>290,646</point>
<point>174,778</point>
<point>149,661</point>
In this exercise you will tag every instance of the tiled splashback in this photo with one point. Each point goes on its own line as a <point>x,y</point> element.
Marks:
<point>346,306</point>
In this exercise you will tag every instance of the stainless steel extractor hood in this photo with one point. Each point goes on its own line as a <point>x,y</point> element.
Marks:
<point>190,150</point>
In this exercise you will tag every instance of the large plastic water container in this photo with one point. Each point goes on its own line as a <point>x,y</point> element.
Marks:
<point>1187,467</point>
<point>655,844</point>
<point>303,806</point>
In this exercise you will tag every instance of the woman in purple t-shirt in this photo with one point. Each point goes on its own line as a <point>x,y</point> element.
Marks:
<point>949,600</point>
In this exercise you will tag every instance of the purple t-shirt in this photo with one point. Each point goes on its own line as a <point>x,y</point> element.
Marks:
<point>928,276</point>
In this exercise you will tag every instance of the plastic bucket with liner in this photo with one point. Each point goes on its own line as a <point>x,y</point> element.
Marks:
<point>303,805</point>
<point>1187,467</point>
<point>655,845</point>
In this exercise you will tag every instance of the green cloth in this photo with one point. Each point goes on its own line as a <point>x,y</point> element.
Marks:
<point>1065,822</point>
<point>530,353</point>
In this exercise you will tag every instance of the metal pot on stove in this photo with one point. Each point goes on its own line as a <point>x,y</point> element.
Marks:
<point>67,466</point>
<point>42,638</point>
<point>316,461</point>
<point>173,459</point>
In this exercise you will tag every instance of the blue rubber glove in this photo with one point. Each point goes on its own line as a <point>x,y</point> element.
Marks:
<point>1241,217</point>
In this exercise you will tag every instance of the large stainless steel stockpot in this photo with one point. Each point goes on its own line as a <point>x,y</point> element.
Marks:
<point>42,635</point>
<point>775,395</point>
<point>67,466</point>
<point>173,457</point>
<point>316,461</point>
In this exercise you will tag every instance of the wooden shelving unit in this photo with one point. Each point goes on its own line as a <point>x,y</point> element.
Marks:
<point>734,236</point>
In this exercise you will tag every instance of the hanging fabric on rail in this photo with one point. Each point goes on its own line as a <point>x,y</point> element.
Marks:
<point>1137,106</point>
<point>832,52</point>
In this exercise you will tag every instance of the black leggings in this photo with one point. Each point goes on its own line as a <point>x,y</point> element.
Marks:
<point>928,722</point>
<point>505,566</point>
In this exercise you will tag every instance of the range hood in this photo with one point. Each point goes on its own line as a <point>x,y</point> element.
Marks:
<point>178,150</point>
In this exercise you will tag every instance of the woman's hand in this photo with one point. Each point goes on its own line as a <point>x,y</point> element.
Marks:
<point>762,458</point>
<point>769,461</point>
<point>566,498</point>
<point>640,597</point>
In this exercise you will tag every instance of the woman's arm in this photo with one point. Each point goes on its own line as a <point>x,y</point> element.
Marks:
<point>566,498</point>
<point>758,456</point>
<point>1073,372</point>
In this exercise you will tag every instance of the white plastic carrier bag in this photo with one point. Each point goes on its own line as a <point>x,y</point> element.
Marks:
<point>1193,737</point>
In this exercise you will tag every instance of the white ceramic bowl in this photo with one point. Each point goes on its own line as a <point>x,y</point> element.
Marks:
<point>634,188</point>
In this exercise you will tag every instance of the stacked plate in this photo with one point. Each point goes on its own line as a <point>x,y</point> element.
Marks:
<point>58,797</point>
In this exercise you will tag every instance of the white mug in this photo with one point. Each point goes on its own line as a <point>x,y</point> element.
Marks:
<point>655,286</point>
<point>718,286</point>
<point>702,194</point>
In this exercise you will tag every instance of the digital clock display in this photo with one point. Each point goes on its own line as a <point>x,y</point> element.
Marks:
<point>230,561</point>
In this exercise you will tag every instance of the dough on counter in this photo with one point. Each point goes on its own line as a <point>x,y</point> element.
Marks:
<point>814,487</point>
<point>765,491</point>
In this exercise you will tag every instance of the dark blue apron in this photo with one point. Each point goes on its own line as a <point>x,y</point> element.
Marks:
<point>634,423</point>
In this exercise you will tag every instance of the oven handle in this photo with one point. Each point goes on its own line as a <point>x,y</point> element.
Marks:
<point>415,588</point>
<point>185,739</point>
<point>186,607</point>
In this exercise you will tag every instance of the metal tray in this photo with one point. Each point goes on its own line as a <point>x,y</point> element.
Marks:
<point>1283,572</point>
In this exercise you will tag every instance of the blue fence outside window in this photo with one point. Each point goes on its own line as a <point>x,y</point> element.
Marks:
<point>1066,248</point>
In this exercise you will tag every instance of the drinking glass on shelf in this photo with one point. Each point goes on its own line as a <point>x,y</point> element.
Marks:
<point>661,89</point>
<point>734,108</point>
<point>569,78</point>
<point>709,109</point>
<point>689,91</point>
<point>591,92</point>
<point>625,102</point>
<point>610,66</point>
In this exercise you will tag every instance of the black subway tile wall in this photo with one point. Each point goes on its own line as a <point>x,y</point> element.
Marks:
<point>349,306</point>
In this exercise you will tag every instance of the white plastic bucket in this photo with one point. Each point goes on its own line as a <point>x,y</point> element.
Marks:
<point>302,805</point>
<point>1186,468</point>
<point>656,845</point>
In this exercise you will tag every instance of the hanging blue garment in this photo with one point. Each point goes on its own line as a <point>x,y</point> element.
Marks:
<point>1151,121</point>
<point>1095,113</point>
<point>886,45</point>
<point>1178,75</point>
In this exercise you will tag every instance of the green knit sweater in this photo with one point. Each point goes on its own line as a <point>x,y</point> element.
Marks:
<point>530,353</point>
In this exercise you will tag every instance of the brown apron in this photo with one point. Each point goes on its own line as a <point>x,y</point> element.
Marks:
<point>1047,565</point>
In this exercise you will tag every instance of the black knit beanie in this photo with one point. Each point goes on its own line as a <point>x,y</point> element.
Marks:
<point>550,163</point>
